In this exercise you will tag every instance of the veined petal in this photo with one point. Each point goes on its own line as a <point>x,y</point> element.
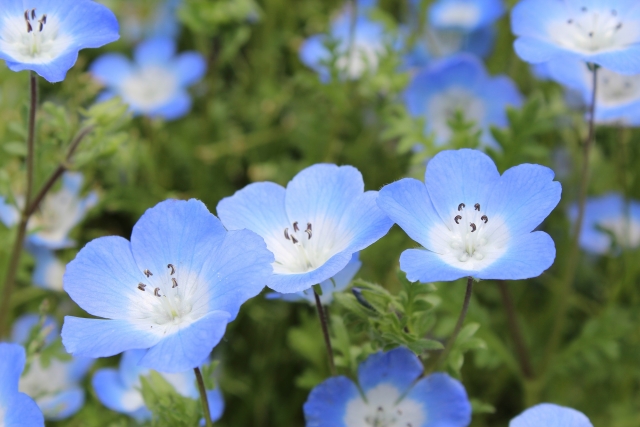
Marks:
<point>550,415</point>
<point>364,223</point>
<point>290,283</point>
<point>398,367</point>
<point>444,399</point>
<point>425,266</point>
<point>327,403</point>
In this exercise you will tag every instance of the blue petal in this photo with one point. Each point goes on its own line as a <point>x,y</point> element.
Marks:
<point>426,266</point>
<point>216,404</point>
<point>364,222</point>
<point>488,12</point>
<point>104,338</point>
<point>314,54</point>
<point>444,399</point>
<point>625,62</point>
<point>327,403</point>
<point>62,405</point>
<point>12,360</point>
<point>113,394</point>
<point>49,271</point>
<point>155,51</point>
<point>188,347</point>
<point>291,283</point>
<point>398,367</point>
<point>177,107</point>
<point>130,370</point>
<point>550,415</point>
<point>539,51</point>
<point>22,411</point>
<point>190,67</point>
<point>111,69</point>
<point>9,215</point>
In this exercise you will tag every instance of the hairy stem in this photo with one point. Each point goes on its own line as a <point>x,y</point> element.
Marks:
<point>325,332</point>
<point>515,331</point>
<point>203,397</point>
<point>459,324</point>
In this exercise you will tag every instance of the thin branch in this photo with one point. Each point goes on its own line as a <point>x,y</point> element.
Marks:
<point>459,324</point>
<point>515,331</point>
<point>325,332</point>
<point>203,397</point>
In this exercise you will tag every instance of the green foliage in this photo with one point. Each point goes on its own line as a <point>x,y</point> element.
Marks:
<point>169,408</point>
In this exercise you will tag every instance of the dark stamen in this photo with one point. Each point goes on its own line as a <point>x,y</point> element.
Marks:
<point>295,227</point>
<point>619,26</point>
<point>591,34</point>
<point>461,206</point>
<point>484,218</point>
<point>33,14</point>
<point>294,240</point>
<point>473,227</point>
<point>308,231</point>
<point>570,21</point>
<point>141,286</point>
<point>584,8</point>
<point>477,206</point>
<point>286,234</point>
<point>41,26</point>
<point>29,27</point>
<point>147,273</point>
<point>175,282</point>
<point>26,15</point>
<point>173,269</point>
<point>156,292</point>
<point>457,218</point>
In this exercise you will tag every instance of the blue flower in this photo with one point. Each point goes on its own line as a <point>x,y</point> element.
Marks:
<point>16,409</point>
<point>460,83</point>
<point>357,55</point>
<point>120,389</point>
<point>49,270</point>
<point>337,283</point>
<point>161,22</point>
<point>45,36</point>
<point>603,32</point>
<point>608,218</point>
<point>156,84</point>
<point>313,227</point>
<point>550,415</point>
<point>171,290</point>
<point>56,386</point>
<point>390,390</point>
<point>473,222</point>
<point>466,15</point>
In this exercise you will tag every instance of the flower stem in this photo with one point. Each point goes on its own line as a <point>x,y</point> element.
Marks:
<point>515,331</point>
<point>458,328</point>
<point>564,292</point>
<point>16,252</point>
<point>325,332</point>
<point>203,397</point>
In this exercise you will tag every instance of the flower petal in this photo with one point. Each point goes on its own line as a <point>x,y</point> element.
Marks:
<point>111,69</point>
<point>327,403</point>
<point>426,266</point>
<point>156,51</point>
<point>550,415</point>
<point>22,411</point>
<point>363,223</point>
<point>190,67</point>
<point>12,360</point>
<point>216,404</point>
<point>398,367</point>
<point>444,400</point>
<point>177,107</point>
<point>290,283</point>
<point>114,395</point>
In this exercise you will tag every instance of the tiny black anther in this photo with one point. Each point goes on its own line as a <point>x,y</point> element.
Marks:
<point>484,218</point>
<point>309,233</point>
<point>473,227</point>
<point>584,8</point>
<point>33,14</point>
<point>286,234</point>
<point>591,34</point>
<point>141,286</point>
<point>29,27</point>
<point>570,21</point>
<point>44,19</point>
<point>457,219</point>
<point>173,269</point>
<point>619,26</point>
<point>295,227</point>
<point>380,409</point>
<point>294,240</point>
<point>147,273</point>
<point>41,27</point>
<point>461,206</point>
<point>309,226</point>
<point>477,206</point>
<point>175,283</point>
<point>26,15</point>
<point>156,292</point>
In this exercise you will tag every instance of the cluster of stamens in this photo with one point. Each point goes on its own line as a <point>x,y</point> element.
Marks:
<point>383,419</point>
<point>468,232</point>
<point>156,291</point>
<point>292,236</point>
<point>597,31</point>
<point>30,19</point>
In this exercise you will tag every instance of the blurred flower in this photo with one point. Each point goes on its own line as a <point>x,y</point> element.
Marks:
<point>313,227</point>
<point>16,409</point>
<point>603,32</point>
<point>160,21</point>
<point>390,392</point>
<point>466,15</point>
<point>337,283</point>
<point>171,290</point>
<point>550,415</point>
<point>155,85</point>
<point>608,218</point>
<point>120,389</point>
<point>473,222</point>
<point>49,270</point>
<point>45,35</point>
<point>460,84</point>
<point>55,385</point>
<point>359,44</point>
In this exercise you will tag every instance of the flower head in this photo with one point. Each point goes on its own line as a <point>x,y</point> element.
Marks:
<point>466,15</point>
<point>337,283</point>
<point>156,83</point>
<point>393,394</point>
<point>171,290</point>
<point>607,219</point>
<point>120,389</point>
<point>313,227</point>
<point>603,32</point>
<point>45,35</point>
<point>471,221</point>
<point>54,385</point>
<point>16,409</point>
<point>460,83</point>
<point>550,415</point>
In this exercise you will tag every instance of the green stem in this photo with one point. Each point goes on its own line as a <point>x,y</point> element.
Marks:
<point>325,332</point>
<point>459,324</point>
<point>515,331</point>
<point>203,397</point>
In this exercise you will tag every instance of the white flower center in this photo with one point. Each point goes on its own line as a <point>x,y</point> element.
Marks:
<point>33,38</point>
<point>382,409</point>
<point>40,382</point>
<point>594,30</point>
<point>362,58</point>
<point>442,107</point>
<point>459,14</point>
<point>150,87</point>
<point>626,231</point>
<point>617,89</point>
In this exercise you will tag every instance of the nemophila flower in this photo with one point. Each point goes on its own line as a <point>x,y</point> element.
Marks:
<point>313,227</point>
<point>466,15</point>
<point>45,36</point>
<point>460,83</point>
<point>16,408</point>
<point>54,385</point>
<point>603,32</point>
<point>337,283</point>
<point>550,415</point>
<point>609,219</point>
<point>121,390</point>
<point>171,290</point>
<point>156,83</point>
<point>160,20</point>
<point>49,270</point>
<point>389,393</point>
<point>471,221</point>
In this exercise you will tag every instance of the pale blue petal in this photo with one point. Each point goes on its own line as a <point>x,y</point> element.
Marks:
<point>188,347</point>
<point>530,18</point>
<point>22,412</point>
<point>314,54</point>
<point>216,404</point>
<point>78,367</point>
<point>177,107</point>
<point>9,215</point>
<point>327,403</point>
<point>425,266</point>
<point>537,51</point>
<point>113,394</point>
<point>156,51</point>
<point>130,370</point>
<point>49,271</point>
<point>111,69</point>
<point>398,367</point>
<point>12,360</point>
<point>550,415</point>
<point>190,67</point>
<point>62,405</point>
<point>489,12</point>
<point>625,62</point>
<point>291,283</point>
<point>444,400</point>
<point>364,223</point>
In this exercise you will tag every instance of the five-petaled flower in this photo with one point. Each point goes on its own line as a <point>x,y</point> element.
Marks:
<point>472,221</point>
<point>171,290</point>
<point>603,32</point>
<point>550,415</point>
<point>45,35</point>
<point>390,392</point>
<point>313,227</point>
<point>16,409</point>
<point>156,84</point>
